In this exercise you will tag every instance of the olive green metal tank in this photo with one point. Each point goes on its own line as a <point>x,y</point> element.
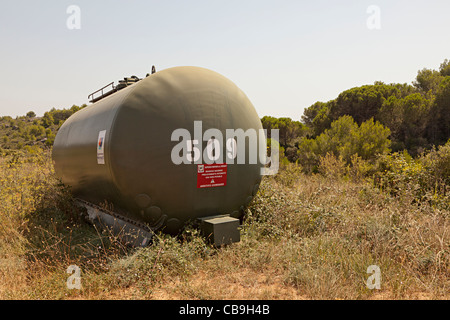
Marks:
<point>118,150</point>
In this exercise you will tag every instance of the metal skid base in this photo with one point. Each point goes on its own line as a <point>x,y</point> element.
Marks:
<point>129,233</point>
<point>219,230</point>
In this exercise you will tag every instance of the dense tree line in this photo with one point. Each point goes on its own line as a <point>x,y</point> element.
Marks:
<point>370,120</point>
<point>418,115</point>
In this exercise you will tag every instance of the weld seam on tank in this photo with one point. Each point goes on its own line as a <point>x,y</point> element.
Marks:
<point>111,129</point>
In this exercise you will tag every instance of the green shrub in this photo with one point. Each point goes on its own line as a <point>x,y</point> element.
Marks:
<point>437,163</point>
<point>345,139</point>
<point>424,178</point>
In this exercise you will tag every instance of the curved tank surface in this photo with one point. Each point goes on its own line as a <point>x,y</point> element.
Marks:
<point>119,149</point>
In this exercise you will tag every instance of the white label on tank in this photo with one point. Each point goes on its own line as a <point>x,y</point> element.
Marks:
<point>101,147</point>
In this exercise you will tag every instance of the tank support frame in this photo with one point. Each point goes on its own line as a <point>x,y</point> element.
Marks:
<point>131,233</point>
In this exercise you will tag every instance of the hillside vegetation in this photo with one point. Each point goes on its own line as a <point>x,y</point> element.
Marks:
<point>364,180</point>
<point>28,132</point>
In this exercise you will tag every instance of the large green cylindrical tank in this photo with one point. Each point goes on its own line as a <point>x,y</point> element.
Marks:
<point>118,150</point>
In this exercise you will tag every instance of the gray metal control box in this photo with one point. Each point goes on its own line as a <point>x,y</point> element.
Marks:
<point>220,230</point>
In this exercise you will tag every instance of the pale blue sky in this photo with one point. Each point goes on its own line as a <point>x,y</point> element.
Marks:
<point>285,55</point>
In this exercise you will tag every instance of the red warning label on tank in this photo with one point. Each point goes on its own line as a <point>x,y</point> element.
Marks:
<point>211,175</point>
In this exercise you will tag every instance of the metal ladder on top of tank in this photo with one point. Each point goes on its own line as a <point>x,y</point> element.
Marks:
<point>122,84</point>
<point>103,93</point>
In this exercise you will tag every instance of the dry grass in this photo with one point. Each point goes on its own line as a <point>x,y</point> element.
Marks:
<point>304,237</point>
